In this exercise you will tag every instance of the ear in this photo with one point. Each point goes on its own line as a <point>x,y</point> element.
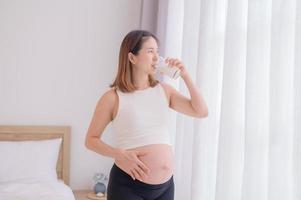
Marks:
<point>131,57</point>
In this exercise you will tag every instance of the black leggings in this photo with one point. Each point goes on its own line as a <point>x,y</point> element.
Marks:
<point>121,186</point>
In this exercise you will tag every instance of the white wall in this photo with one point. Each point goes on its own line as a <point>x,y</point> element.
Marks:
<point>149,13</point>
<point>56,58</point>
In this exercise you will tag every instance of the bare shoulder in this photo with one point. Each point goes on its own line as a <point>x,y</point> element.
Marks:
<point>108,102</point>
<point>109,97</point>
<point>110,94</point>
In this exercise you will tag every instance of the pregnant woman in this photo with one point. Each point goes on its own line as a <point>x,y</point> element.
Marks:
<point>137,105</point>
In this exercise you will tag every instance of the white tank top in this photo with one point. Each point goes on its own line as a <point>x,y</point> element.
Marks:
<point>142,118</point>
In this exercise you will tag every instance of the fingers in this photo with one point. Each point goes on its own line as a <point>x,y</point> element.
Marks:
<point>140,170</point>
<point>144,171</point>
<point>140,163</point>
<point>143,167</point>
<point>127,170</point>
<point>133,165</point>
<point>132,174</point>
<point>138,174</point>
<point>173,62</point>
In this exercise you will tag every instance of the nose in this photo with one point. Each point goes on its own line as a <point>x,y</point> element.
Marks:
<point>156,57</point>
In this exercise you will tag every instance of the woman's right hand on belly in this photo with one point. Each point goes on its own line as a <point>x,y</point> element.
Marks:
<point>128,161</point>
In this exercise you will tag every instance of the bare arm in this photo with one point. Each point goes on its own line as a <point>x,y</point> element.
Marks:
<point>195,106</point>
<point>102,117</point>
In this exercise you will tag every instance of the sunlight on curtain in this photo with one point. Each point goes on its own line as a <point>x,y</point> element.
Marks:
<point>245,56</point>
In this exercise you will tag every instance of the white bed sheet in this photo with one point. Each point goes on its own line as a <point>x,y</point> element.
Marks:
<point>36,191</point>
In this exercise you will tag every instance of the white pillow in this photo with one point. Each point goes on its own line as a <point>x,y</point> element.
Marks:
<point>29,161</point>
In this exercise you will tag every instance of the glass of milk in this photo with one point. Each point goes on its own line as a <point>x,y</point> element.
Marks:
<point>163,67</point>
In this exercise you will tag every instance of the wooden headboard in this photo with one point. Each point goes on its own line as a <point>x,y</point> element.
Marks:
<point>22,133</point>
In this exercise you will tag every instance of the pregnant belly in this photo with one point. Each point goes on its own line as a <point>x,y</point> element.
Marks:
<point>159,159</point>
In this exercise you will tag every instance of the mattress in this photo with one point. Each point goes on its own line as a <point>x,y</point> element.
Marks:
<point>55,190</point>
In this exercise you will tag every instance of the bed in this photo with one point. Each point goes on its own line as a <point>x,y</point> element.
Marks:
<point>34,163</point>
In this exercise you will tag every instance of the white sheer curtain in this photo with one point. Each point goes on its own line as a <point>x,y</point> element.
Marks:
<point>245,56</point>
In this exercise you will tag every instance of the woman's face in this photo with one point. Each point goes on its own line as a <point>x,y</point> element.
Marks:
<point>147,56</point>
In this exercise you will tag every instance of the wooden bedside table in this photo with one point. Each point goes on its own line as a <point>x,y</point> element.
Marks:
<point>83,195</point>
